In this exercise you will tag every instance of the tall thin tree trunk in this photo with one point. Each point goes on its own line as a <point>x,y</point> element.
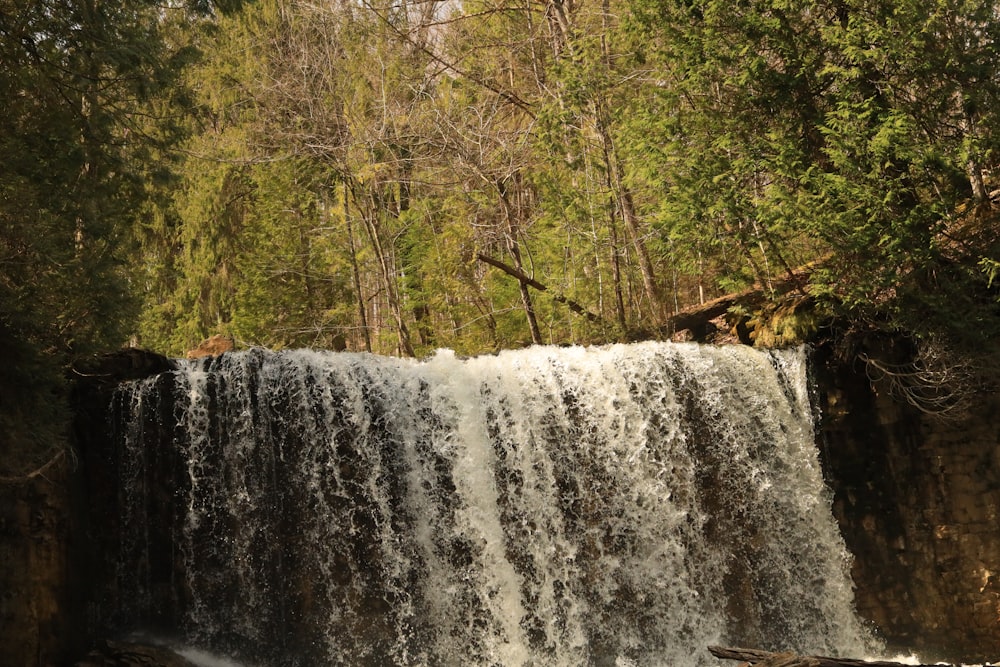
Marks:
<point>616,271</point>
<point>356,272</point>
<point>387,275</point>
<point>978,183</point>
<point>973,167</point>
<point>515,253</point>
<point>90,105</point>
<point>626,206</point>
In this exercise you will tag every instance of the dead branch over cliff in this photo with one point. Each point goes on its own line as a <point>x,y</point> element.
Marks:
<point>759,658</point>
<point>936,381</point>
<point>40,471</point>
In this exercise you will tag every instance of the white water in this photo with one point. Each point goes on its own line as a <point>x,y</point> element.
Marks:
<point>625,505</point>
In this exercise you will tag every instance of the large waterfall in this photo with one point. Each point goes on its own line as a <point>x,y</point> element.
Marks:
<point>622,505</point>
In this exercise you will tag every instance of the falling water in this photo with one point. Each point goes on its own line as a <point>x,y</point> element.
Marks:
<point>623,505</point>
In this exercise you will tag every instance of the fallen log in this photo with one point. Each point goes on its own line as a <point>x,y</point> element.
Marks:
<point>694,318</point>
<point>760,658</point>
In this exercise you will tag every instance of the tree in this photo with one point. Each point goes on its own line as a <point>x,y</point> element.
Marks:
<point>635,156</point>
<point>74,75</point>
<point>591,92</point>
<point>847,130</point>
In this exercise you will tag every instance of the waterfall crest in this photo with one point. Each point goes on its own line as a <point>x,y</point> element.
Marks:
<point>623,505</point>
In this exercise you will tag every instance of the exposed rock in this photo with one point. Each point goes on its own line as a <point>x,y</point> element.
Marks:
<point>918,501</point>
<point>124,654</point>
<point>45,538</point>
<point>37,580</point>
<point>126,364</point>
<point>212,347</point>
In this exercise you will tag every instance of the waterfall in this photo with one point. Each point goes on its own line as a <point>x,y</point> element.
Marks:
<point>621,505</point>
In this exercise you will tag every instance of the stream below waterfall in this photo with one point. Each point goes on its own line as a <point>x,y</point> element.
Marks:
<point>552,506</point>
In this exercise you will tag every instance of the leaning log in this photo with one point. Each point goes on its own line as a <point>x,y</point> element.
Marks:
<point>759,658</point>
<point>525,279</point>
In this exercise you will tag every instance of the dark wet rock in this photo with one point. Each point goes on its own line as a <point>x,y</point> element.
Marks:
<point>125,654</point>
<point>115,367</point>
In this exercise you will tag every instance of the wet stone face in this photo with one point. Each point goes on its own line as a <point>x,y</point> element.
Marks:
<point>918,501</point>
<point>589,517</point>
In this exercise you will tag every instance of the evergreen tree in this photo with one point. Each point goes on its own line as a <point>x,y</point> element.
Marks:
<point>846,131</point>
<point>73,75</point>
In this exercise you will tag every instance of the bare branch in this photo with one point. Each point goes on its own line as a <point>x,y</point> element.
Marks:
<point>541,287</point>
<point>37,472</point>
<point>935,382</point>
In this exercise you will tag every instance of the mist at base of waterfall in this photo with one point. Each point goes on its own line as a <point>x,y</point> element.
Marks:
<point>621,505</point>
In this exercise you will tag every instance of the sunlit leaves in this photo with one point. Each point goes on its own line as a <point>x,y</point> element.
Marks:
<point>621,153</point>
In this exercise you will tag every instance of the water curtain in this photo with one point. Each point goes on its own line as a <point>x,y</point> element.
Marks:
<point>622,505</point>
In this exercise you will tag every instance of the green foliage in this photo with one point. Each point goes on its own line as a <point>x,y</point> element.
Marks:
<point>847,131</point>
<point>793,321</point>
<point>77,141</point>
<point>293,270</point>
<point>991,268</point>
<point>323,175</point>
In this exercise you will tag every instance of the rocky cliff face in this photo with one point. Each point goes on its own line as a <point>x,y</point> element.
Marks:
<point>918,501</point>
<point>36,589</point>
<point>49,543</point>
<point>917,498</point>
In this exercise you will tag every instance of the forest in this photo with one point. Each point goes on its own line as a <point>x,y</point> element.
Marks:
<point>396,176</point>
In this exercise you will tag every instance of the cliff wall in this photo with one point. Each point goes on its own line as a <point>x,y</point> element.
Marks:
<point>37,571</point>
<point>52,534</point>
<point>918,500</point>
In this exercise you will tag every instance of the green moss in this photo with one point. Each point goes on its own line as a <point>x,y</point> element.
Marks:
<point>792,321</point>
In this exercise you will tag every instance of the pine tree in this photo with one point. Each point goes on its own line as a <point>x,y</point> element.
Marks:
<point>74,75</point>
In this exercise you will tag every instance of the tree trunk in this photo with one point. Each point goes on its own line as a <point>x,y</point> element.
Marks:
<point>973,167</point>
<point>356,272</point>
<point>626,206</point>
<point>387,274</point>
<point>616,274</point>
<point>515,252</point>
